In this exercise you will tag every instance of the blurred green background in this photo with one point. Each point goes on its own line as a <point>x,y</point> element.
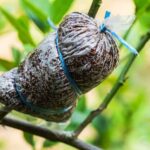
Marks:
<point>125,125</point>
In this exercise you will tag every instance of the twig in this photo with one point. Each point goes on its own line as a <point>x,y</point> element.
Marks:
<point>121,79</point>
<point>94,8</point>
<point>64,137</point>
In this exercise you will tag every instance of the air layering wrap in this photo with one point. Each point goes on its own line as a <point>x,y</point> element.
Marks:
<point>40,86</point>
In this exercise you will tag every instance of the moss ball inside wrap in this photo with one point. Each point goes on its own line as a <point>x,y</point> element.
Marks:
<point>90,56</point>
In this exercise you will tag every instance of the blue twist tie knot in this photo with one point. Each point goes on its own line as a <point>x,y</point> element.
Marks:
<point>103,28</point>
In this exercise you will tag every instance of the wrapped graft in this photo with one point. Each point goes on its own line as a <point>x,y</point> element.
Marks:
<point>40,86</point>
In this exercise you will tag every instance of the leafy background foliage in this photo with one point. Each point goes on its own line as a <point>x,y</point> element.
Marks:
<point>126,123</point>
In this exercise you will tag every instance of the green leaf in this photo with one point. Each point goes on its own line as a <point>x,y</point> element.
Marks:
<point>27,50</point>
<point>22,32</point>
<point>48,143</point>
<point>24,22</point>
<point>144,19</point>
<point>29,139</point>
<point>44,7</point>
<point>78,117</point>
<point>6,65</point>
<point>141,7</point>
<point>82,104</point>
<point>101,123</point>
<point>141,4</point>
<point>2,22</point>
<point>16,55</point>
<point>59,8</point>
<point>36,14</point>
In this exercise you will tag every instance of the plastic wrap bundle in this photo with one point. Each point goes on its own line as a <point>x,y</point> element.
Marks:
<point>67,63</point>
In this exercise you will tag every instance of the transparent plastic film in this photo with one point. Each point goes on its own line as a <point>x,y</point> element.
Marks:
<point>119,24</point>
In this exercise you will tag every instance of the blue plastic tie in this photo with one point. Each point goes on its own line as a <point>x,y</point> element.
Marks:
<point>35,108</point>
<point>63,64</point>
<point>66,70</point>
<point>103,28</point>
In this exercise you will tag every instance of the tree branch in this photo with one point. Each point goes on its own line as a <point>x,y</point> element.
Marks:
<point>4,111</point>
<point>64,137</point>
<point>67,137</point>
<point>120,81</point>
<point>94,8</point>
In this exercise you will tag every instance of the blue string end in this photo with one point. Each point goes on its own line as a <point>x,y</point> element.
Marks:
<point>128,46</point>
<point>107,14</point>
<point>51,24</point>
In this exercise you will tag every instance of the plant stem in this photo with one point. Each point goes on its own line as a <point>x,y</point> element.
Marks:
<point>94,8</point>
<point>120,81</point>
<point>52,135</point>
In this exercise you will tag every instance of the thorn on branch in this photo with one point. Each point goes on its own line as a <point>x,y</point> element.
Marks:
<point>122,81</point>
